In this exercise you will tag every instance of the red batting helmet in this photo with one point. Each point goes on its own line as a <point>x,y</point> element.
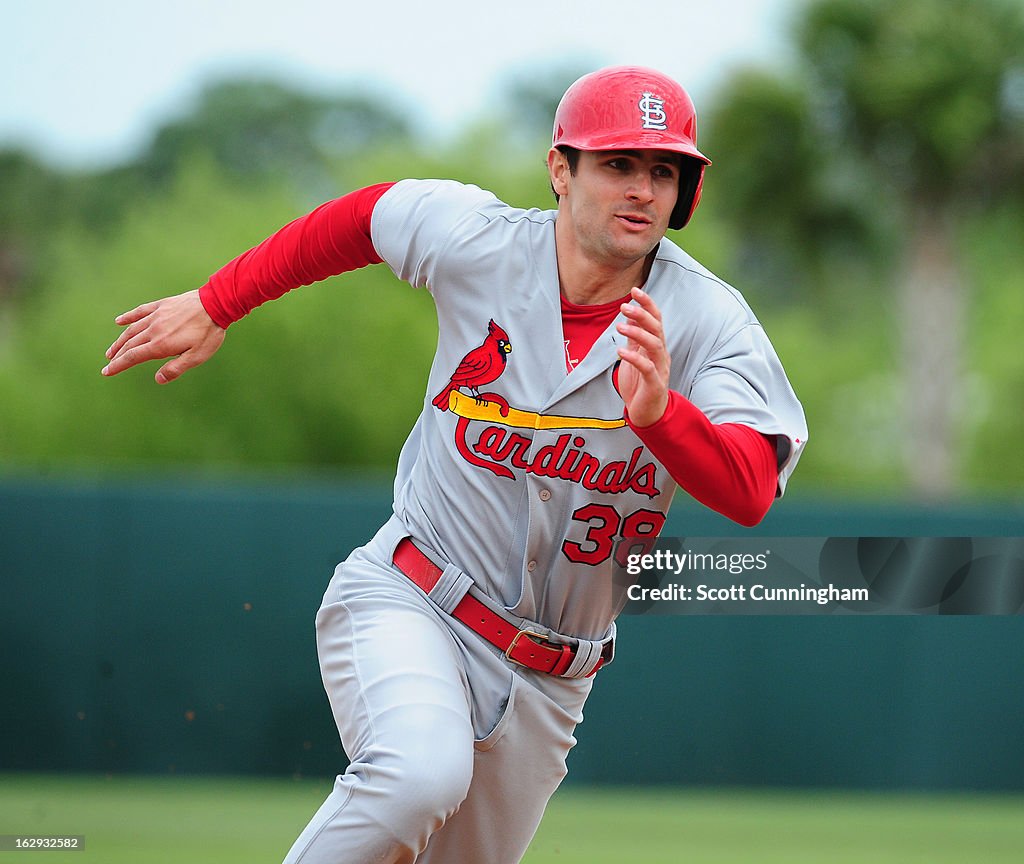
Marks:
<point>633,108</point>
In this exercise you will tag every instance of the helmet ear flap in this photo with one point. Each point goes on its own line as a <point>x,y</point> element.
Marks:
<point>691,180</point>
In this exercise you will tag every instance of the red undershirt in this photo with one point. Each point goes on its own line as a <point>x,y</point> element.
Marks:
<point>728,467</point>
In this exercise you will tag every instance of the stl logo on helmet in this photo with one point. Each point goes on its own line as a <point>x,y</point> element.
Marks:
<point>652,112</point>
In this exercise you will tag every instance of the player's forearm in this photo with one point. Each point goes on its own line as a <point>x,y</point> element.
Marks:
<point>334,238</point>
<point>728,467</point>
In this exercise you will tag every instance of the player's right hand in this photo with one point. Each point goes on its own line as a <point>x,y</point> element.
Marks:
<point>177,327</point>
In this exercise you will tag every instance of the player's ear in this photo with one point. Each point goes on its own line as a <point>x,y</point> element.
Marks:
<point>558,171</point>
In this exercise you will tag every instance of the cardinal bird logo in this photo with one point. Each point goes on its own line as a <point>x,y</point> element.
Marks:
<point>480,366</point>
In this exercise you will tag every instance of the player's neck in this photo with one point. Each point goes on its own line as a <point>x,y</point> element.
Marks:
<point>587,283</point>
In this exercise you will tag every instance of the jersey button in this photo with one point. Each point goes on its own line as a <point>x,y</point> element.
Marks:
<point>544,495</point>
<point>531,566</point>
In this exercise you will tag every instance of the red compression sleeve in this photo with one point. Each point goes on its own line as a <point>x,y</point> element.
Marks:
<point>333,239</point>
<point>728,467</point>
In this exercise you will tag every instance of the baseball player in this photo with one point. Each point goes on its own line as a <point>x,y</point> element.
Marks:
<point>586,368</point>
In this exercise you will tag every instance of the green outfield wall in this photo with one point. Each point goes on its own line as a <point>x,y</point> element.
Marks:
<point>168,627</point>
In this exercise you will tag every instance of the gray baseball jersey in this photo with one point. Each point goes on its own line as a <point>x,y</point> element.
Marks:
<point>522,478</point>
<point>530,504</point>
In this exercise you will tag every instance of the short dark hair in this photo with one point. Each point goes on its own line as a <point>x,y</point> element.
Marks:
<point>572,156</point>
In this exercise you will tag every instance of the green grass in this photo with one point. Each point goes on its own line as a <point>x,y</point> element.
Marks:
<point>699,827</point>
<point>145,819</point>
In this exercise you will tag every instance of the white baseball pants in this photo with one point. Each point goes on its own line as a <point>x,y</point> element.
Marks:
<point>453,752</point>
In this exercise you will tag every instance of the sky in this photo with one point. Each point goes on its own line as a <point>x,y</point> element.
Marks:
<point>85,83</point>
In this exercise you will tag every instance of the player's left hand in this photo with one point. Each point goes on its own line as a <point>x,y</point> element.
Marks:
<point>643,373</point>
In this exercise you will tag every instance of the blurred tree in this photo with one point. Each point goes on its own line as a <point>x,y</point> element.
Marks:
<point>529,99</point>
<point>254,128</point>
<point>30,212</point>
<point>909,117</point>
<point>796,199</point>
<point>254,131</point>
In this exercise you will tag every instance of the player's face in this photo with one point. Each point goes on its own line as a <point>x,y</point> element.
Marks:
<point>618,203</point>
